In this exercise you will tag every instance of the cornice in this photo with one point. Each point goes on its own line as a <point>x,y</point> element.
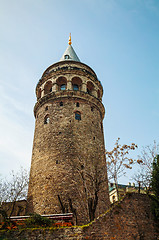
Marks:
<point>55,96</point>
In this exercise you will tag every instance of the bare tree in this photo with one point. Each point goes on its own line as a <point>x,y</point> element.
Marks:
<point>118,161</point>
<point>145,162</point>
<point>13,190</point>
<point>91,178</point>
<point>92,182</point>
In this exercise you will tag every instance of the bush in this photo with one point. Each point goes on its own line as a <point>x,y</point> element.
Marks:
<point>37,220</point>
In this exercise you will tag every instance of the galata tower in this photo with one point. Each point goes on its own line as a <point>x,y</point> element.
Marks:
<point>68,168</point>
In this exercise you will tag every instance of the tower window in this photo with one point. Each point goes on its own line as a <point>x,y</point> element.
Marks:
<point>66,57</point>
<point>90,87</point>
<point>92,109</point>
<point>82,166</point>
<point>46,119</point>
<point>76,83</point>
<point>46,108</point>
<point>61,103</point>
<point>88,91</point>
<point>77,104</point>
<point>63,87</point>
<point>62,83</point>
<point>48,87</point>
<point>75,87</point>
<point>77,115</point>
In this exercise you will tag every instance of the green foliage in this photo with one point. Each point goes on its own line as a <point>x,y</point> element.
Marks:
<point>3,214</point>
<point>37,220</point>
<point>155,187</point>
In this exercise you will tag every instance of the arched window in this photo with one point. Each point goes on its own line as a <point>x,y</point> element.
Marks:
<point>76,83</point>
<point>48,87</point>
<point>63,87</point>
<point>66,56</point>
<point>62,83</point>
<point>46,119</point>
<point>90,87</point>
<point>61,103</point>
<point>77,115</point>
<point>75,87</point>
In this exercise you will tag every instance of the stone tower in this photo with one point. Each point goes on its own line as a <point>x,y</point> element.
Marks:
<point>68,168</point>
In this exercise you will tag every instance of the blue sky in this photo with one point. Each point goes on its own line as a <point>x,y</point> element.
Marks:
<point>119,39</point>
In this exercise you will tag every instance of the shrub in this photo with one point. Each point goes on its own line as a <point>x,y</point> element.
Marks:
<point>37,220</point>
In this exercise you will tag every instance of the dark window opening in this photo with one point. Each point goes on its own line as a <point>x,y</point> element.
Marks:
<point>46,108</point>
<point>57,161</point>
<point>59,133</point>
<point>76,83</point>
<point>88,91</point>
<point>61,82</point>
<point>92,109</point>
<point>67,57</point>
<point>82,166</point>
<point>77,104</point>
<point>90,87</point>
<point>63,87</point>
<point>78,116</point>
<point>61,103</point>
<point>46,120</point>
<point>48,87</point>
<point>94,138</point>
<point>75,87</point>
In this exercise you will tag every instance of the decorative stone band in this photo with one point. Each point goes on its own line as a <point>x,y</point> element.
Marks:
<point>74,95</point>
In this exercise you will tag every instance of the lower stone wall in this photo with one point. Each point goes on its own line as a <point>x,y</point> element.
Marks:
<point>131,219</point>
<point>59,234</point>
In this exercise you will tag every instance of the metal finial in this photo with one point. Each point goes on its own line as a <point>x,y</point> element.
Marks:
<point>69,42</point>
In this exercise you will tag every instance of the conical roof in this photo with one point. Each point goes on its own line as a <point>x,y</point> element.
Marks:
<point>70,54</point>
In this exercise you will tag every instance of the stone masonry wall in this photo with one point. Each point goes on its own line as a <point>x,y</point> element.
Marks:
<point>68,156</point>
<point>129,220</point>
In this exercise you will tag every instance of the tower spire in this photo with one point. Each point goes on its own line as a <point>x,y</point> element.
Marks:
<point>69,41</point>
<point>69,53</point>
